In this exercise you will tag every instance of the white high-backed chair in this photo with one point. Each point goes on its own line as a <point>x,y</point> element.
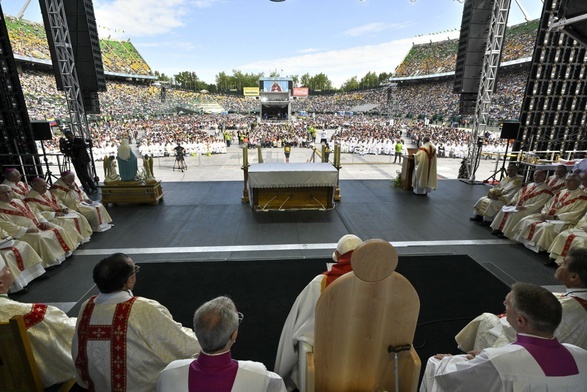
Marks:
<point>359,317</point>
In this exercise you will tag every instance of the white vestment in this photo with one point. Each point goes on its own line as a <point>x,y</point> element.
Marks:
<point>50,332</point>
<point>504,192</point>
<point>575,237</point>
<point>298,327</point>
<point>532,197</point>
<point>22,261</point>
<point>509,368</point>
<point>52,245</point>
<point>490,330</point>
<point>77,200</point>
<point>153,340</point>
<point>250,377</point>
<point>568,206</point>
<point>48,205</point>
<point>555,183</point>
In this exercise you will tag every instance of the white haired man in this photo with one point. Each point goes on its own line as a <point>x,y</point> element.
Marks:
<point>216,325</point>
<point>299,325</point>
<point>13,179</point>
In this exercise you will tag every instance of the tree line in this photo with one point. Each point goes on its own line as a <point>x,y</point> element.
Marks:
<point>188,80</point>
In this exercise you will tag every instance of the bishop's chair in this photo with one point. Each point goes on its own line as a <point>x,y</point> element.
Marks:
<point>365,324</point>
<point>18,369</point>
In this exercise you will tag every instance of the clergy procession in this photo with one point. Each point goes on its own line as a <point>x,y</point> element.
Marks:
<point>545,215</point>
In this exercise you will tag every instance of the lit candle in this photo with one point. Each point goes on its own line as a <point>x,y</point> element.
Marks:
<point>245,156</point>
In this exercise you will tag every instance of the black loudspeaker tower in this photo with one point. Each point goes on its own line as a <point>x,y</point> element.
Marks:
<point>17,145</point>
<point>41,130</point>
<point>91,102</point>
<point>474,32</point>
<point>83,31</point>
<point>510,130</point>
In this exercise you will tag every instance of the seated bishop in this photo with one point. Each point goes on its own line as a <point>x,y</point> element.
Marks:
<point>574,237</point>
<point>528,200</point>
<point>13,179</point>
<point>556,182</point>
<point>21,259</point>
<point>50,241</point>
<point>563,210</point>
<point>76,199</point>
<point>45,202</point>
<point>488,206</point>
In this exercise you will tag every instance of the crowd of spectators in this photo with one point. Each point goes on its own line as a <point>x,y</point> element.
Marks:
<point>440,57</point>
<point>29,39</point>
<point>137,111</point>
<point>157,125</point>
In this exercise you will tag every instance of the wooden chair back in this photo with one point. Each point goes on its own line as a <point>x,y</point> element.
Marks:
<point>18,369</point>
<point>358,318</point>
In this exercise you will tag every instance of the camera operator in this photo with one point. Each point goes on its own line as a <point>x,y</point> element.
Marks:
<point>77,150</point>
<point>179,156</point>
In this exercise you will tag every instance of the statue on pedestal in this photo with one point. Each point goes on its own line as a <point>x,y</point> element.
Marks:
<point>110,172</point>
<point>148,175</point>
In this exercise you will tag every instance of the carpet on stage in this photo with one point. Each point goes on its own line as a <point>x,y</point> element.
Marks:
<point>453,289</point>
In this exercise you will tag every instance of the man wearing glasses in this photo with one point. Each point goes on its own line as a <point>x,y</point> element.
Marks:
<point>216,324</point>
<point>122,342</point>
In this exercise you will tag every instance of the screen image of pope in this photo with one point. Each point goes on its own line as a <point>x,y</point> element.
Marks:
<point>275,87</point>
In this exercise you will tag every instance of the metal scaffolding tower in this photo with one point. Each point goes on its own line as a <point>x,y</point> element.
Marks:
<point>495,39</point>
<point>57,19</point>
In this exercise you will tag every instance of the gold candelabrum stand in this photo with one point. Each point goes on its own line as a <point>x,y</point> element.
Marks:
<point>245,168</point>
<point>337,196</point>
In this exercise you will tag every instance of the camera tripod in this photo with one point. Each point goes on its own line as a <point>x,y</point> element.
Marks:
<point>502,170</point>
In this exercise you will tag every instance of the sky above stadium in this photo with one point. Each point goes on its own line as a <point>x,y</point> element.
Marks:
<point>340,38</point>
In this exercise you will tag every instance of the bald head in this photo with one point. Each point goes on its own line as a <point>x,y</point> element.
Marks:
<point>12,175</point>
<point>39,185</point>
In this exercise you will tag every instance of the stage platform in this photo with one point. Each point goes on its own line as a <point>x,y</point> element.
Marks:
<point>207,222</point>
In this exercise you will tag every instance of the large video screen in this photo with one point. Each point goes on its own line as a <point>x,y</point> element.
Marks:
<point>275,85</point>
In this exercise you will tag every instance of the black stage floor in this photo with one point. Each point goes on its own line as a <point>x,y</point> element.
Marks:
<point>206,221</point>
